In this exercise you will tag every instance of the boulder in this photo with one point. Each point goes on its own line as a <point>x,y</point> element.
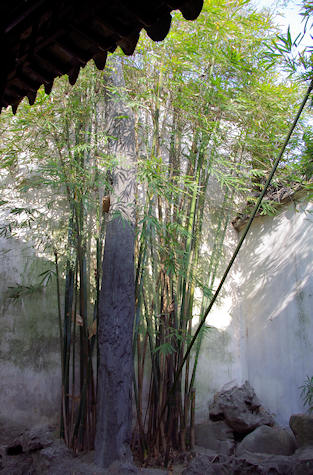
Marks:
<point>240,409</point>
<point>44,459</point>
<point>304,458</point>
<point>302,427</point>
<point>304,453</point>
<point>216,436</point>
<point>38,438</point>
<point>268,440</point>
<point>31,440</point>
<point>18,454</point>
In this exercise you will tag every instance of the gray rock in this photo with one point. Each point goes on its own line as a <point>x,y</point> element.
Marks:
<point>302,468</point>
<point>302,427</point>
<point>304,453</point>
<point>282,464</point>
<point>267,463</point>
<point>57,449</point>
<point>240,408</point>
<point>39,438</point>
<point>304,457</point>
<point>47,457</point>
<point>269,440</point>
<point>30,441</point>
<point>17,454</point>
<point>216,436</point>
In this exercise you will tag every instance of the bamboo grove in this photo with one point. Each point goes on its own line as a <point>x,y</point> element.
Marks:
<point>209,114</point>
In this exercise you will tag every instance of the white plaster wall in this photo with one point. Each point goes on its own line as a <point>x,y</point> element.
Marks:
<point>30,378</point>
<point>276,301</point>
<point>263,325</point>
<point>222,361</point>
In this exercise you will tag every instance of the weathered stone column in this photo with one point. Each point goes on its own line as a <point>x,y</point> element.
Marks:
<point>117,298</point>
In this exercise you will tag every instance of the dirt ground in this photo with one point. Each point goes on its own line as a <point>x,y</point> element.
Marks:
<point>38,451</point>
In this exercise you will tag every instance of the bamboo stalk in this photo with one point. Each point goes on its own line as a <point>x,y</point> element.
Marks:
<point>74,352</point>
<point>59,305</point>
<point>192,418</point>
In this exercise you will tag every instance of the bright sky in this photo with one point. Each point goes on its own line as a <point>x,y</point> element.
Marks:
<point>288,14</point>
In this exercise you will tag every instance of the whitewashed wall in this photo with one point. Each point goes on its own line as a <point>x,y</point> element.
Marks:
<point>276,301</point>
<point>263,324</point>
<point>222,361</point>
<point>30,378</point>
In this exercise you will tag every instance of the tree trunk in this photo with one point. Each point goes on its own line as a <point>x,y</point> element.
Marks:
<point>117,296</point>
